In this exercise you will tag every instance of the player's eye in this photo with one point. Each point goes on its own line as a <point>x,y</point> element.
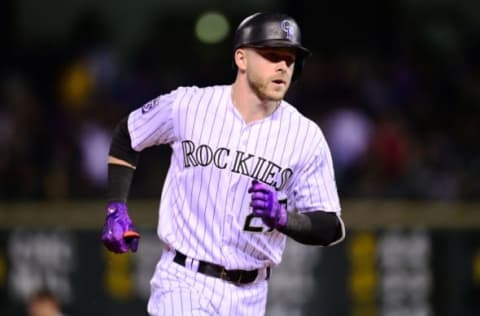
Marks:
<point>276,57</point>
<point>289,59</point>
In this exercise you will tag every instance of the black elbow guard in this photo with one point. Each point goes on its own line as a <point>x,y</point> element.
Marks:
<point>326,227</point>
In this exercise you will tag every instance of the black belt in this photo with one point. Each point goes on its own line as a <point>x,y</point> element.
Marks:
<point>217,271</point>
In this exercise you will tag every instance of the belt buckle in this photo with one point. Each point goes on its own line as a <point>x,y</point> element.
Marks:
<point>237,277</point>
<point>223,274</point>
<point>239,280</point>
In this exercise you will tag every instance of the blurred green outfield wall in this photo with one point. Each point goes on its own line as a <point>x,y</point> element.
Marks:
<point>399,258</point>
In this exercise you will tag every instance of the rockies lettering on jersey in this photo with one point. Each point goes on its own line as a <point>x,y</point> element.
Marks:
<point>263,170</point>
<point>205,207</point>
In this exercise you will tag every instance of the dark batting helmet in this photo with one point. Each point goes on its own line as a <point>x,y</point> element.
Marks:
<point>271,30</point>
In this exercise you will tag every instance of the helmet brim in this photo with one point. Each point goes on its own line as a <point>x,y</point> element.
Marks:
<point>302,51</point>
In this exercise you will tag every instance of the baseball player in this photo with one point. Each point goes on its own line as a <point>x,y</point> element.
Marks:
<point>247,171</point>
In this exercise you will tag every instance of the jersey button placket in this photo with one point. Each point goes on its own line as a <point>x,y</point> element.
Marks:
<point>244,138</point>
<point>228,233</point>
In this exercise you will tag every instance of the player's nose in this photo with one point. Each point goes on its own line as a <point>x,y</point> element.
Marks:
<point>281,66</point>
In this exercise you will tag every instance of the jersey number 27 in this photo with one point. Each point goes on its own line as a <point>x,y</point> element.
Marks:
<point>249,225</point>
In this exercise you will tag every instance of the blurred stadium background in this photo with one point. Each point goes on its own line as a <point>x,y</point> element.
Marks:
<point>395,86</point>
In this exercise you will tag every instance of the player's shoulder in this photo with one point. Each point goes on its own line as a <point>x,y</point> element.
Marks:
<point>304,121</point>
<point>199,90</point>
<point>307,128</point>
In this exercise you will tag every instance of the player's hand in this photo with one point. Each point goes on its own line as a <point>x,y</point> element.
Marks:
<point>119,235</point>
<point>266,206</point>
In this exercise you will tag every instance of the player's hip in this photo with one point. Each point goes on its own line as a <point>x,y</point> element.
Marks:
<point>222,297</point>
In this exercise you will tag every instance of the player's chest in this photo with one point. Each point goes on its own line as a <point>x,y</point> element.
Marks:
<point>260,151</point>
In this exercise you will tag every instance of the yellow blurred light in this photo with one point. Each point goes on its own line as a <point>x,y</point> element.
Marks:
<point>76,85</point>
<point>211,27</point>
<point>476,268</point>
<point>118,276</point>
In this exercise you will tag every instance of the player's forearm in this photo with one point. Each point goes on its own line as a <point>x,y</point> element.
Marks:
<point>122,161</point>
<point>314,228</point>
<point>119,179</point>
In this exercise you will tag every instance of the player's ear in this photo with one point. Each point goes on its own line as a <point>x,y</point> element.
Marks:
<point>240,58</point>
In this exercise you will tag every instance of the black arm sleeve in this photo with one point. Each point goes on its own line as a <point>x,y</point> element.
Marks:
<point>119,176</point>
<point>119,180</point>
<point>120,146</point>
<point>313,228</point>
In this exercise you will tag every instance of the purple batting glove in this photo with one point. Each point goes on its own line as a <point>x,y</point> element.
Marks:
<point>119,235</point>
<point>266,206</point>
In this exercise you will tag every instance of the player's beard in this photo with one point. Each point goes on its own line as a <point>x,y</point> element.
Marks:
<point>265,89</point>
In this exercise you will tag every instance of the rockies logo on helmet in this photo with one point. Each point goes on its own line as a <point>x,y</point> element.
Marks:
<point>287,28</point>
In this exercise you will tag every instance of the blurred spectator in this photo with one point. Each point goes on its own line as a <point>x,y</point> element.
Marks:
<point>349,132</point>
<point>390,148</point>
<point>94,144</point>
<point>390,154</point>
<point>401,114</point>
<point>22,146</point>
<point>43,303</point>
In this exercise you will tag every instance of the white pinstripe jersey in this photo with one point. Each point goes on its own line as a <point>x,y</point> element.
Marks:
<point>204,208</point>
